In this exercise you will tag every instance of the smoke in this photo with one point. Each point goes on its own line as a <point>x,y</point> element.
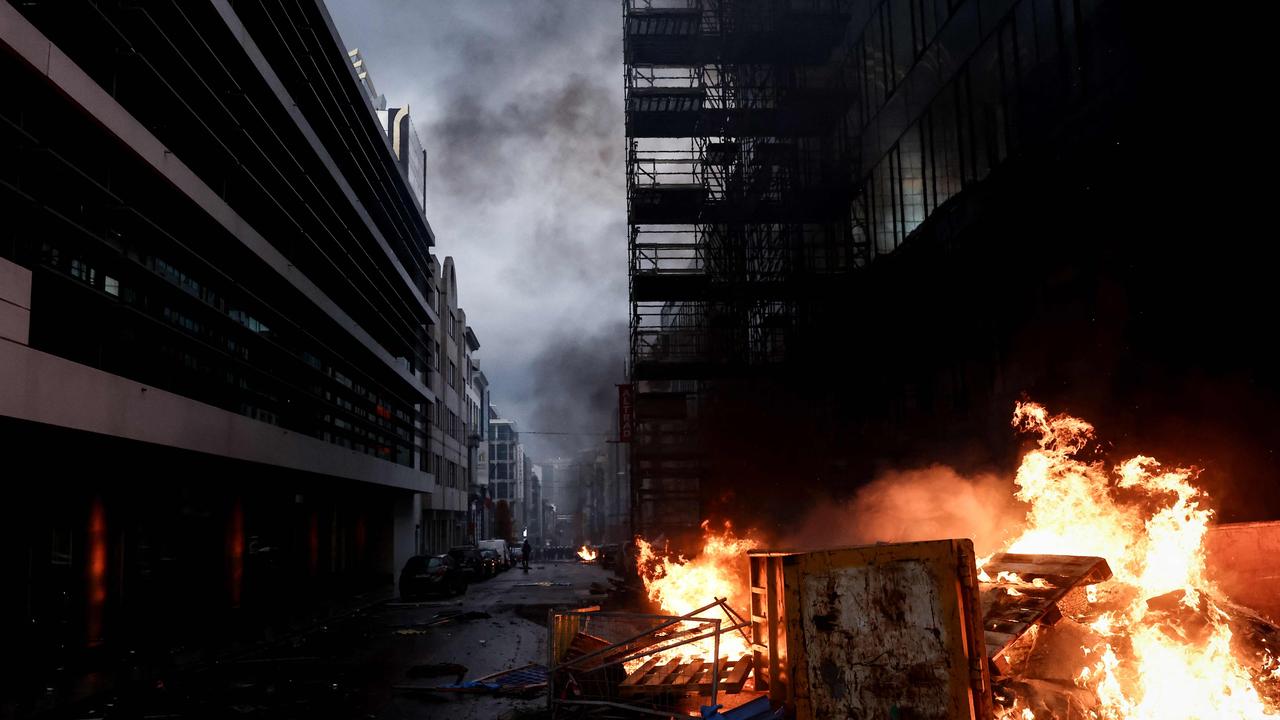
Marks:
<point>925,504</point>
<point>519,105</point>
<point>575,391</point>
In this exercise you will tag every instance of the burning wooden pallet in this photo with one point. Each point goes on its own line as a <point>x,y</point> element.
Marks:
<point>656,676</point>
<point>1020,591</point>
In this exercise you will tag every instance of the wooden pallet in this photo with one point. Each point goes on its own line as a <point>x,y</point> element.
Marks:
<point>657,676</point>
<point>1012,606</point>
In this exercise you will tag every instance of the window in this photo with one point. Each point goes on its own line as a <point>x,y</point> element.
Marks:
<point>111,285</point>
<point>453,325</point>
<point>453,375</point>
<point>81,271</point>
<point>912,179</point>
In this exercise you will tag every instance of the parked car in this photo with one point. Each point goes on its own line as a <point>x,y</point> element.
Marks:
<point>492,563</point>
<point>434,575</point>
<point>503,550</point>
<point>469,561</point>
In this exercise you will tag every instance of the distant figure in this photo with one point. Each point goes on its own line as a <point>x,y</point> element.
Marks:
<point>525,551</point>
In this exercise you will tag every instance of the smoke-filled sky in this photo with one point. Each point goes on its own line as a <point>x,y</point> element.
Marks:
<point>519,104</point>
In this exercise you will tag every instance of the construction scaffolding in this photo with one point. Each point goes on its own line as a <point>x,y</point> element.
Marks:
<point>742,223</point>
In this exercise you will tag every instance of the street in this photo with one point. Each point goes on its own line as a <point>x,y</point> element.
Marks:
<point>370,663</point>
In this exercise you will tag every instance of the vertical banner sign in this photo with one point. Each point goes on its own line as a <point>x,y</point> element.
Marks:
<point>625,412</point>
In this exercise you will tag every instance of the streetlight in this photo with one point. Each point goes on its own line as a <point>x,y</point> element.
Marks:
<point>477,506</point>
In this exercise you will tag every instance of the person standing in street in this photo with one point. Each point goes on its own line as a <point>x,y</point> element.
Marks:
<point>525,551</point>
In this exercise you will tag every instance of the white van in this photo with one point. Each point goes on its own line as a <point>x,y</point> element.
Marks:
<point>503,550</point>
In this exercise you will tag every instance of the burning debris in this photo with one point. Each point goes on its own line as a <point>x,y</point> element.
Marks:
<point>586,554</point>
<point>1097,606</point>
<point>1154,641</point>
<point>679,586</point>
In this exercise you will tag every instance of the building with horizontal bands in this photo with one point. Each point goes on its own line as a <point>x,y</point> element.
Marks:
<point>233,377</point>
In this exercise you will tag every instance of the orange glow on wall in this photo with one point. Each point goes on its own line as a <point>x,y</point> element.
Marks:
<point>235,552</point>
<point>96,571</point>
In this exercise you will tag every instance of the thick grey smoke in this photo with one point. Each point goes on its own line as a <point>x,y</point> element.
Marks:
<point>519,105</point>
<point>576,390</point>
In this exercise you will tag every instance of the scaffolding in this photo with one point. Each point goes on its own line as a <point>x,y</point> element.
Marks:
<point>740,211</point>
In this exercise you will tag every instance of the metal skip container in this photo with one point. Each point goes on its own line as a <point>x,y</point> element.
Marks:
<point>880,631</point>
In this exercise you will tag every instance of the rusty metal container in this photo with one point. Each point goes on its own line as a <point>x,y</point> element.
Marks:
<point>1244,559</point>
<point>881,631</point>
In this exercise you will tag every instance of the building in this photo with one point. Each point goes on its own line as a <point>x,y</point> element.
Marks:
<point>506,476</point>
<point>478,441</point>
<point>860,229</point>
<point>448,513</point>
<point>222,330</point>
<point>454,514</point>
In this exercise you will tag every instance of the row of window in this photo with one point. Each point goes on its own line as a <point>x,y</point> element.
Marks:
<point>970,125</point>
<point>447,472</point>
<point>373,435</point>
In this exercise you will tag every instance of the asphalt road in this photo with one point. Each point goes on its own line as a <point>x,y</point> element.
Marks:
<point>367,664</point>
<point>511,637</point>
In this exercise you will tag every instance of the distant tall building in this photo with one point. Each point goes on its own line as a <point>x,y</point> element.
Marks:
<point>506,475</point>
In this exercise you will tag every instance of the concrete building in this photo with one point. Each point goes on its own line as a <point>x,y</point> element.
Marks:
<point>506,476</point>
<point>447,514</point>
<point>480,490</point>
<point>223,334</point>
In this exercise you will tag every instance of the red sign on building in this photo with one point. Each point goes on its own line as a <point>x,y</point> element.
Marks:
<point>625,413</point>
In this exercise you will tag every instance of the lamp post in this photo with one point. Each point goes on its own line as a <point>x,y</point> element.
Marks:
<point>477,501</point>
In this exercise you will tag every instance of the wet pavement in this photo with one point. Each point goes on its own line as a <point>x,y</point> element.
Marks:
<point>373,663</point>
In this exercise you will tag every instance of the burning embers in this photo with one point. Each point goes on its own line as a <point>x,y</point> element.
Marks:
<point>1157,640</point>
<point>586,554</point>
<point>1144,634</point>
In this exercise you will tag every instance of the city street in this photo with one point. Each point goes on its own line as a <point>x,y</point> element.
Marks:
<point>373,663</point>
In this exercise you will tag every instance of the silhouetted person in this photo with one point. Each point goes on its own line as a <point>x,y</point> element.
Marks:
<point>525,551</point>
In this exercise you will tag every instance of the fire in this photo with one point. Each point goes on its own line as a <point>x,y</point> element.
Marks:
<point>587,554</point>
<point>1149,522</point>
<point>679,585</point>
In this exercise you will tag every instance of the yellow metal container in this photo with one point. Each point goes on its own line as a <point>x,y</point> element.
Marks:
<point>882,631</point>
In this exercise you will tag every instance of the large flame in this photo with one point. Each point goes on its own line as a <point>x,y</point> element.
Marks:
<point>1149,522</point>
<point>587,554</point>
<point>719,571</point>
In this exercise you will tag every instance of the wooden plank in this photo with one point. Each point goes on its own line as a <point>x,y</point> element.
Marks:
<point>688,672</point>
<point>704,682</point>
<point>1012,607</point>
<point>737,677</point>
<point>659,676</point>
<point>635,677</point>
<point>1058,569</point>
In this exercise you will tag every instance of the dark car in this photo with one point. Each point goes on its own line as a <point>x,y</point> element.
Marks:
<point>469,560</point>
<point>434,575</point>
<point>492,562</point>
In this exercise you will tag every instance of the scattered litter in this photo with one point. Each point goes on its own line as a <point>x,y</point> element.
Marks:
<point>544,583</point>
<point>442,618</point>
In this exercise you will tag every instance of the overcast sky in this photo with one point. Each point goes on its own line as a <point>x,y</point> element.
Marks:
<point>519,104</point>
